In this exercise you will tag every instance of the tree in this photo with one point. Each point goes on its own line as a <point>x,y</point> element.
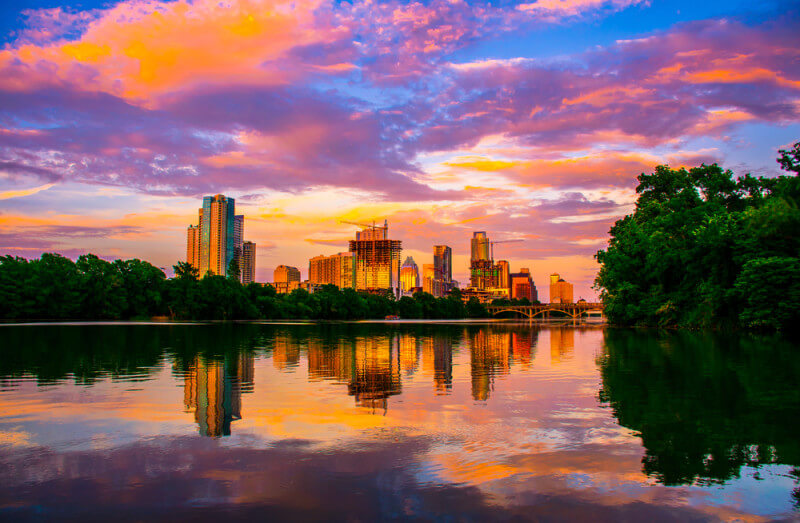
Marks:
<point>677,260</point>
<point>102,288</point>
<point>234,272</point>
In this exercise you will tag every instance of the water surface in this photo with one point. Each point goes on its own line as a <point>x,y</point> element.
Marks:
<point>390,421</point>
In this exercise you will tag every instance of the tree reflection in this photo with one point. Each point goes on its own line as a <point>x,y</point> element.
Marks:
<point>704,404</point>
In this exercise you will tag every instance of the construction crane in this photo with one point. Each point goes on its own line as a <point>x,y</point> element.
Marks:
<point>492,244</point>
<point>366,225</point>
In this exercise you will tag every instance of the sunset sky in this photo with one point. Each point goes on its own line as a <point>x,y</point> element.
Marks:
<point>526,120</point>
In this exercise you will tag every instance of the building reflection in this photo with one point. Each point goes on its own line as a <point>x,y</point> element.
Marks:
<point>370,366</point>
<point>489,357</point>
<point>409,353</point>
<point>562,344</point>
<point>285,352</point>
<point>437,359</point>
<point>213,390</point>
<point>523,346</point>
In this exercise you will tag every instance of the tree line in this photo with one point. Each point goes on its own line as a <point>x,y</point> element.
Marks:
<point>704,249</point>
<point>53,287</point>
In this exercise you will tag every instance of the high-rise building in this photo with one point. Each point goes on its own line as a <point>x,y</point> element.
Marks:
<point>337,269</point>
<point>377,259</point>
<point>285,274</point>
<point>248,262</point>
<point>480,246</point>
<point>522,285</point>
<point>193,246</point>
<point>285,279</point>
<point>560,290</point>
<point>432,283</point>
<point>503,274</point>
<point>238,240</point>
<point>443,262</point>
<point>218,238</point>
<point>483,272</point>
<point>409,276</point>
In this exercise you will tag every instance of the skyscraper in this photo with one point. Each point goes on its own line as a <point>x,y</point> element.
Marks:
<point>480,246</point>
<point>503,274</point>
<point>409,275</point>
<point>238,240</point>
<point>483,273</point>
<point>218,237</point>
<point>377,259</point>
<point>431,282</point>
<point>248,262</point>
<point>443,262</point>
<point>193,246</point>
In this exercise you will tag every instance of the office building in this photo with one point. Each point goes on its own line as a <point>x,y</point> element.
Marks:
<point>216,235</point>
<point>248,262</point>
<point>503,274</point>
<point>238,239</point>
<point>338,269</point>
<point>480,247</point>
<point>483,272</point>
<point>286,279</point>
<point>560,290</point>
<point>522,285</point>
<point>432,282</point>
<point>443,262</point>
<point>409,276</point>
<point>193,246</point>
<point>377,259</point>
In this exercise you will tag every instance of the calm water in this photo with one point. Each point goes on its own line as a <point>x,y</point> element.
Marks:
<point>374,421</point>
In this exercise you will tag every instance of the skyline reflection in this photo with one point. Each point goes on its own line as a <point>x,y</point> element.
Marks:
<point>600,416</point>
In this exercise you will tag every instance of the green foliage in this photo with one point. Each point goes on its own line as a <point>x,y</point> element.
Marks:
<point>54,287</point>
<point>680,258</point>
<point>704,404</point>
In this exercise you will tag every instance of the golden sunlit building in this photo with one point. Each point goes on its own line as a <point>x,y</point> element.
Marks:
<point>338,269</point>
<point>503,274</point>
<point>409,276</point>
<point>217,240</point>
<point>560,290</point>
<point>193,245</point>
<point>522,285</point>
<point>286,279</point>
<point>377,259</point>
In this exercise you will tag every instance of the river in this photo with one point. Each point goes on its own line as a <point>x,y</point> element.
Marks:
<point>378,421</point>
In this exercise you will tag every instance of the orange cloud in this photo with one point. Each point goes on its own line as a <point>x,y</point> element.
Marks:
<point>138,49</point>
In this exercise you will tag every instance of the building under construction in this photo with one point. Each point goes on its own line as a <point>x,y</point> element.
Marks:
<point>377,259</point>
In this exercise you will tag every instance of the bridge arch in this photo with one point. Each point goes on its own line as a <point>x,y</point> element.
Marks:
<point>530,313</point>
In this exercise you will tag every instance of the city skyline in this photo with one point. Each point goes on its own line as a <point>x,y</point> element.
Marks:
<point>528,120</point>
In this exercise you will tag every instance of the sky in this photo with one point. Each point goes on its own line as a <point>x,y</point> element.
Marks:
<point>528,120</point>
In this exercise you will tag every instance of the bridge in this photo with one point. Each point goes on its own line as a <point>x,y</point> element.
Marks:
<point>544,310</point>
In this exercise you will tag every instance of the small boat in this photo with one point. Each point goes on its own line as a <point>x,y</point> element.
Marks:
<point>392,317</point>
